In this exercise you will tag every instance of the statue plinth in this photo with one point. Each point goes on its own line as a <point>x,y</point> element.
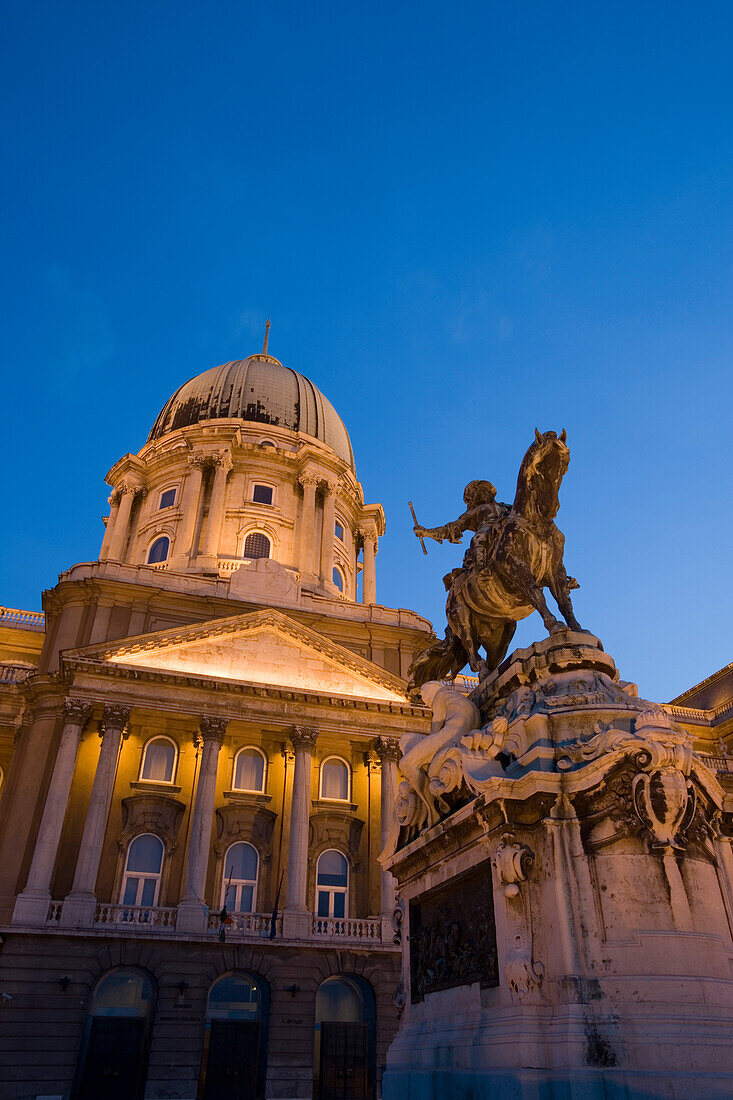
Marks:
<point>566,920</point>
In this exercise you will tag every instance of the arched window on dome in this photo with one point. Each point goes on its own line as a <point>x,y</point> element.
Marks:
<point>143,866</point>
<point>256,545</point>
<point>239,882</point>
<point>338,579</point>
<point>158,764</point>
<point>335,779</point>
<point>250,770</point>
<point>159,550</point>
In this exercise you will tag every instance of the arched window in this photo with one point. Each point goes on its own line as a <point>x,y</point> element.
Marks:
<point>159,550</point>
<point>332,884</point>
<point>239,886</point>
<point>338,530</point>
<point>159,760</point>
<point>338,579</point>
<point>115,1047</point>
<point>249,770</point>
<point>335,779</point>
<point>256,545</point>
<point>141,882</point>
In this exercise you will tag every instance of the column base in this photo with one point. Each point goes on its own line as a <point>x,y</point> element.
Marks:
<point>297,923</point>
<point>192,916</point>
<point>31,907</point>
<point>78,911</point>
<point>206,563</point>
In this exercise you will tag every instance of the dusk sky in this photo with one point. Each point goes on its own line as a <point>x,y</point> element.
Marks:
<point>465,220</point>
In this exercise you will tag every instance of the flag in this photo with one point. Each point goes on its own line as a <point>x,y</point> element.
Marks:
<point>224,920</point>
<point>273,921</point>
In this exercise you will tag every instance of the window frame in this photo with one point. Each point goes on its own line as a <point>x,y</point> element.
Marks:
<point>154,542</point>
<point>236,883</point>
<point>250,790</point>
<point>142,876</point>
<point>159,737</point>
<point>263,485</point>
<point>339,523</point>
<point>338,571</point>
<point>333,891</point>
<point>328,798</point>
<point>168,489</point>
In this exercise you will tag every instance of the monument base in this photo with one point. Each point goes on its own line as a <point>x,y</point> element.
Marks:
<point>567,922</point>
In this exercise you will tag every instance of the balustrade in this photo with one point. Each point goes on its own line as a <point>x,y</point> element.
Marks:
<point>349,928</point>
<point>149,916</point>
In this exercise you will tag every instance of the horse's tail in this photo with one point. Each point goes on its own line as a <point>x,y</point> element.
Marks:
<point>438,661</point>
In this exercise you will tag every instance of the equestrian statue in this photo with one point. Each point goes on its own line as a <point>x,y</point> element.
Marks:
<point>515,553</point>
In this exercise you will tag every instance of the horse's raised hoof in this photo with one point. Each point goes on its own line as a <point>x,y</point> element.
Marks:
<point>558,627</point>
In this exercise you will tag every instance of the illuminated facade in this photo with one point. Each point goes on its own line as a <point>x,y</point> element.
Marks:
<point>206,720</point>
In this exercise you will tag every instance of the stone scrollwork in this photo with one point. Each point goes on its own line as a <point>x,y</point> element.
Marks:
<point>77,711</point>
<point>115,716</point>
<point>303,737</point>
<point>512,862</point>
<point>213,728</point>
<point>523,975</point>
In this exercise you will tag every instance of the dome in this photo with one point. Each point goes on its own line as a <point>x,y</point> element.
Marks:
<point>259,390</point>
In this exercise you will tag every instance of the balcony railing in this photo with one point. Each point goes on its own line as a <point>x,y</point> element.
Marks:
<point>717,763</point>
<point>14,674</point>
<point>246,924</point>
<point>24,620</point>
<point>125,915</point>
<point>240,926</point>
<point>351,928</point>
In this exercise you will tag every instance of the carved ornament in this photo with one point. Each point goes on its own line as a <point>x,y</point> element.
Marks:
<point>512,862</point>
<point>77,712</point>
<point>115,717</point>
<point>388,750</point>
<point>303,738</point>
<point>213,728</point>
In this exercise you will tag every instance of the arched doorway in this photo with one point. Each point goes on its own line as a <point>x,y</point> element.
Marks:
<point>115,1050</point>
<point>235,1044</point>
<point>344,1053</point>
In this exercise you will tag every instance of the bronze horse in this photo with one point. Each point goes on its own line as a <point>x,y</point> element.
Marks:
<point>485,604</point>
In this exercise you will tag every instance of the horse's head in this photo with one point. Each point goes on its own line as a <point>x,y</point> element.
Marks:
<point>542,470</point>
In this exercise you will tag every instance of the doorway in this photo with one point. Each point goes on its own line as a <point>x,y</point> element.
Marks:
<point>235,1043</point>
<point>344,1040</point>
<point>115,1050</point>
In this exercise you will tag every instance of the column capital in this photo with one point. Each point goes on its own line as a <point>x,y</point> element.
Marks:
<point>304,737</point>
<point>115,717</point>
<point>213,728</point>
<point>77,711</point>
<point>368,535</point>
<point>114,498</point>
<point>308,479</point>
<point>388,750</point>
<point>329,488</point>
<point>128,486</point>
<point>223,460</point>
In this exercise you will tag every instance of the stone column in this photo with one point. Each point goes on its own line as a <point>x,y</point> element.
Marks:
<point>369,579</point>
<point>304,742</point>
<point>222,466</point>
<point>31,906</point>
<point>307,525</point>
<point>193,912</point>
<point>389,754</point>
<point>78,908</point>
<point>328,533</point>
<point>190,498</point>
<point>116,544</point>
<point>114,507</point>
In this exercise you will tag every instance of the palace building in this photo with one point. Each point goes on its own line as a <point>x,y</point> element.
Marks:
<point>198,756</point>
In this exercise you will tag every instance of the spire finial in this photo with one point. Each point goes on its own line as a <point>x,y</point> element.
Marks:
<point>267,337</point>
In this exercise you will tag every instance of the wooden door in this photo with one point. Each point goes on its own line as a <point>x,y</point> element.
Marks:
<point>343,1061</point>
<point>116,1061</point>
<point>232,1062</point>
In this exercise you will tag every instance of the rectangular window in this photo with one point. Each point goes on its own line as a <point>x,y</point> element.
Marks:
<point>168,498</point>
<point>339,532</point>
<point>262,494</point>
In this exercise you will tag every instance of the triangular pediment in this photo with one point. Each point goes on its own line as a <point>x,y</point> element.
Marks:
<point>263,647</point>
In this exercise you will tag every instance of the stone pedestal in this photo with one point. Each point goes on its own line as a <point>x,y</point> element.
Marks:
<point>567,922</point>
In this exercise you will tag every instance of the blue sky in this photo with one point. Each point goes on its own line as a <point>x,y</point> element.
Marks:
<point>464,219</point>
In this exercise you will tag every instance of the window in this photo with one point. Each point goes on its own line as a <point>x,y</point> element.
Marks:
<point>267,443</point>
<point>332,884</point>
<point>339,531</point>
<point>335,779</point>
<point>256,546</point>
<point>159,760</point>
<point>141,883</point>
<point>262,494</point>
<point>338,579</point>
<point>159,550</point>
<point>249,770</point>
<point>167,498</point>
<point>239,887</point>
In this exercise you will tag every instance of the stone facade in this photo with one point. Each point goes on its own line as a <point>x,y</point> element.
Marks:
<point>169,718</point>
